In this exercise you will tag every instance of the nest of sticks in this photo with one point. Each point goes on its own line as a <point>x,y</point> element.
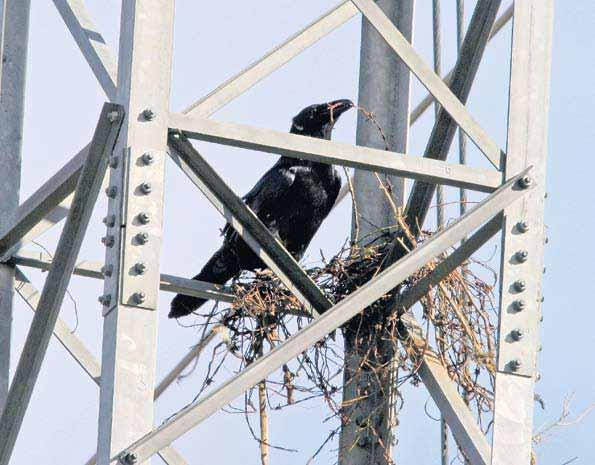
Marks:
<point>459,318</point>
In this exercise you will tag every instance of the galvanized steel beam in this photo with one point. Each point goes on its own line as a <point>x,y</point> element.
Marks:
<point>447,99</point>
<point>523,238</point>
<point>134,226</point>
<point>58,278</point>
<point>14,32</point>
<point>97,270</point>
<point>363,158</point>
<point>340,313</point>
<point>91,43</point>
<point>445,127</point>
<point>248,226</point>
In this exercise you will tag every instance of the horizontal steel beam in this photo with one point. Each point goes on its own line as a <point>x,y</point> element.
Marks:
<point>431,81</point>
<point>309,148</point>
<point>339,314</point>
<point>169,283</point>
<point>44,200</point>
<point>248,225</point>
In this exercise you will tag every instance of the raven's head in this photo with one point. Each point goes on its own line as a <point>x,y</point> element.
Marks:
<point>318,120</point>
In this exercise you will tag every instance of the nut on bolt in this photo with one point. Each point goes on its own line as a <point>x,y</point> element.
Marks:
<point>128,458</point>
<point>515,365</point>
<point>520,285</point>
<point>516,334</point>
<point>105,299</point>
<point>109,221</point>
<point>113,162</point>
<point>144,217</point>
<point>525,182</point>
<point>142,238</point>
<point>148,114</point>
<point>111,191</point>
<point>522,226</point>
<point>140,268</point>
<point>107,270</point>
<point>148,158</point>
<point>108,241</point>
<point>519,305</point>
<point>113,116</point>
<point>522,255</point>
<point>139,297</point>
<point>146,188</point>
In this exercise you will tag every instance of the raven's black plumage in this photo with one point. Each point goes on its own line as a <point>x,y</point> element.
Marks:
<point>292,199</point>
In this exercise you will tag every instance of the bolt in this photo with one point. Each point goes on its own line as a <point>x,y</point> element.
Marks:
<point>541,319</point>
<point>111,192</point>
<point>146,188</point>
<point>108,240</point>
<point>147,158</point>
<point>113,162</point>
<point>107,270</point>
<point>516,334</point>
<point>521,255</point>
<point>113,116</point>
<point>140,267</point>
<point>546,240</point>
<point>539,348</point>
<point>522,226</point>
<point>144,217</point>
<point>542,300</point>
<point>538,377</point>
<point>515,365</point>
<point>525,182</point>
<point>139,297</point>
<point>142,238</point>
<point>109,220</point>
<point>105,299</point>
<point>520,285</point>
<point>544,270</point>
<point>149,114</point>
<point>519,305</point>
<point>128,458</point>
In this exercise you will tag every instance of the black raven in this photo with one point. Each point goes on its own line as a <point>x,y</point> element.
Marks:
<point>292,199</point>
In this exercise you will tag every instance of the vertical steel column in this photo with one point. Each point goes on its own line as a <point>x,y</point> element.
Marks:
<point>134,227</point>
<point>14,34</point>
<point>384,89</point>
<point>523,234</point>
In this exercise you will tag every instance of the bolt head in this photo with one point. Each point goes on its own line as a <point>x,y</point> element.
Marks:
<point>113,162</point>
<point>362,441</point>
<point>105,299</point>
<point>148,114</point>
<point>107,270</point>
<point>520,285</point>
<point>144,217</point>
<point>148,158</point>
<point>522,226</point>
<point>108,241</point>
<point>111,192</point>
<point>146,187</point>
<point>519,305</point>
<point>128,458</point>
<point>142,238</point>
<point>140,268</point>
<point>525,182</point>
<point>113,116</point>
<point>515,365</point>
<point>109,221</point>
<point>522,255</point>
<point>139,297</point>
<point>516,334</point>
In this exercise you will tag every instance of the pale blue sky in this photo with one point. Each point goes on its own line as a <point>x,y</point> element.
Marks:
<point>213,40</point>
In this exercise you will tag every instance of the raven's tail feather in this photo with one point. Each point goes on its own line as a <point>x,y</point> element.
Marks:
<point>222,266</point>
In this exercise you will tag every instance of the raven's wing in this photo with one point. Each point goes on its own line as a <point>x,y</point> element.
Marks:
<point>268,194</point>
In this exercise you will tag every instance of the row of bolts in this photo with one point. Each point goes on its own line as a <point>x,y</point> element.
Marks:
<point>143,217</point>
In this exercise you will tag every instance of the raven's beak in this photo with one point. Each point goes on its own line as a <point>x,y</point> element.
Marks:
<point>338,107</point>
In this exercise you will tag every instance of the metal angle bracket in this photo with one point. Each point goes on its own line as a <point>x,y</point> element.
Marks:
<point>135,190</point>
